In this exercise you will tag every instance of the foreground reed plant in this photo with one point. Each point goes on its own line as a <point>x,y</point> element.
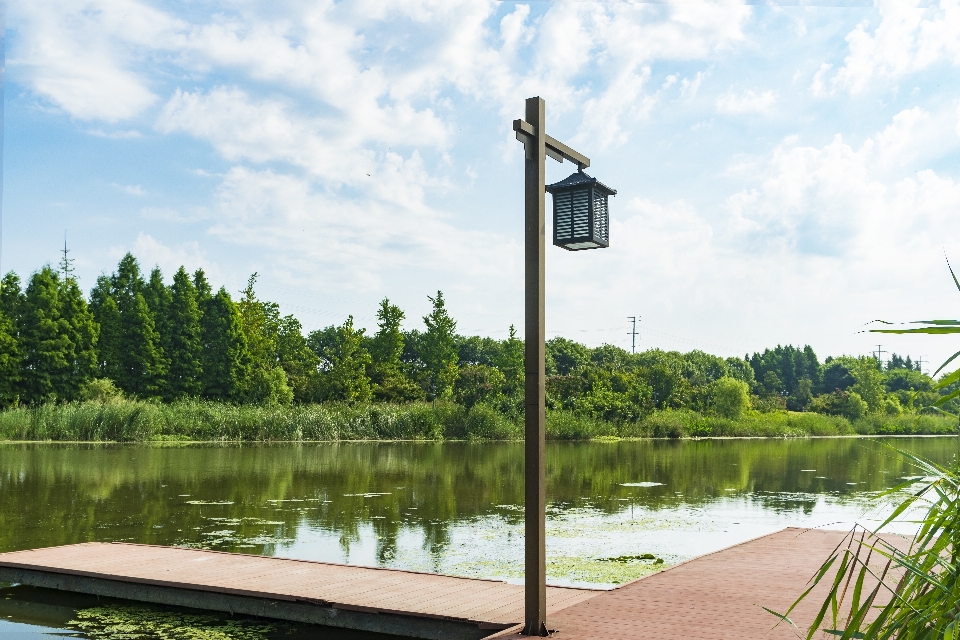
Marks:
<point>911,594</point>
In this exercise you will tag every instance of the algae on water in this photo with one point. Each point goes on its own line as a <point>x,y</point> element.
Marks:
<point>117,622</point>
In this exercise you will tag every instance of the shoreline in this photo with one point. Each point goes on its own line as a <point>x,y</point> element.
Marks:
<point>601,440</point>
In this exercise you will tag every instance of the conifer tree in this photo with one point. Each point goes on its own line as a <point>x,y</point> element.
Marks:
<point>386,348</point>
<point>10,363</point>
<point>158,296</point>
<point>143,367</point>
<point>183,342</point>
<point>439,349</point>
<point>11,296</point>
<point>226,363</point>
<point>11,299</point>
<point>107,315</point>
<point>82,332</point>
<point>202,286</point>
<point>44,338</point>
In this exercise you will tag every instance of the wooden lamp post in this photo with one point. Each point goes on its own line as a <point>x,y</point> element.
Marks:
<point>580,212</point>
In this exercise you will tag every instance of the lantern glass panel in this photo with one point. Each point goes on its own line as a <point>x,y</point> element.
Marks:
<point>580,212</point>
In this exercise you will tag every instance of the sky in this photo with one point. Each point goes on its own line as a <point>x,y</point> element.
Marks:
<point>785,174</point>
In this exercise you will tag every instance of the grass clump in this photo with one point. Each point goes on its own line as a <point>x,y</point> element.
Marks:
<point>119,419</point>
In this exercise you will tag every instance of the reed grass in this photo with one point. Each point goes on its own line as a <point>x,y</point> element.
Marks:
<point>125,420</point>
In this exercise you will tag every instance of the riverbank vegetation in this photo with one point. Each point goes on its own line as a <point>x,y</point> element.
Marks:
<point>126,420</point>
<point>141,359</point>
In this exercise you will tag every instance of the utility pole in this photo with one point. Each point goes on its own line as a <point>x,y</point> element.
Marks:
<point>537,146</point>
<point>877,354</point>
<point>633,334</point>
<point>920,364</point>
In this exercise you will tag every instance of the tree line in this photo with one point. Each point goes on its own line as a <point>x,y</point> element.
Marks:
<point>139,336</point>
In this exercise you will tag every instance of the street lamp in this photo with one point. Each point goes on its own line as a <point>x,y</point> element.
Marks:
<point>581,219</point>
<point>576,199</point>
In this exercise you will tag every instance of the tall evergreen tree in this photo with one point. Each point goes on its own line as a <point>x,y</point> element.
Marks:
<point>107,315</point>
<point>83,332</point>
<point>386,371</point>
<point>142,364</point>
<point>157,296</point>
<point>226,363</point>
<point>439,348</point>
<point>11,296</point>
<point>44,338</point>
<point>10,362</point>
<point>202,286</point>
<point>184,339</point>
<point>386,347</point>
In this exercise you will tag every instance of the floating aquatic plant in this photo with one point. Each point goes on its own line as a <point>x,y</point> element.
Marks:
<point>118,622</point>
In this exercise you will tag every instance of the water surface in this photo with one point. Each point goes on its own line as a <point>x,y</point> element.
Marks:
<point>617,510</point>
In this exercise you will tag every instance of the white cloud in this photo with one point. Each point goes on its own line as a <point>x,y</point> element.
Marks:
<point>321,235</point>
<point>129,134</point>
<point>130,189</point>
<point>76,54</point>
<point>911,36</point>
<point>150,252</point>
<point>747,102</point>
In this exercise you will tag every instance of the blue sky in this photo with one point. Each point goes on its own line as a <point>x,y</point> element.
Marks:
<point>785,174</point>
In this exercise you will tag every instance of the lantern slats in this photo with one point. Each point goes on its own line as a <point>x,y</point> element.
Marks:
<point>581,218</point>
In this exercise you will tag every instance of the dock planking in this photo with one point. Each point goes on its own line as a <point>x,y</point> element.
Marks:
<point>719,595</point>
<point>391,601</point>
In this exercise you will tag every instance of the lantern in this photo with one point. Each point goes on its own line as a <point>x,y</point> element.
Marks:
<point>581,219</point>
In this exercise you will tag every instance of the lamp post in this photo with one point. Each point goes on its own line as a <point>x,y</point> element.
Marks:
<point>580,211</point>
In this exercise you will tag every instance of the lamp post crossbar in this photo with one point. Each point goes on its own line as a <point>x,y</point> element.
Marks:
<point>537,146</point>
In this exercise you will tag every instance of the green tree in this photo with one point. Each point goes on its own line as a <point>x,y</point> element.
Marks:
<point>183,339</point>
<point>344,362</point>
<point>389,382</point>
<point>107,316</point>
<point>225,361</point>
<point>869,383</point>
<point>11,359</point>
<point>477,383</point>
<point>567,356</point>
<point>439,349</point>
<point>729,397</point>
<point>11,296</point>
<point>510,363</point>
<point>298,362</point>
<point>82,332</point>
<point>10,363</point>
<point>142,369</point>
<point>257,317</point>
<point>202,286</point>
<point>44,338</point>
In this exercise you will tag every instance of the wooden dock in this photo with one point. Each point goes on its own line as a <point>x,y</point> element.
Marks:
<point>714,596</point>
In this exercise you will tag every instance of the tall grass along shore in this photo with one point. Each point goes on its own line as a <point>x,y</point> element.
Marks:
<point>125,420</point>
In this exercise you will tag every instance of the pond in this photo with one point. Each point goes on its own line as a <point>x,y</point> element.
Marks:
<point>617,510</point>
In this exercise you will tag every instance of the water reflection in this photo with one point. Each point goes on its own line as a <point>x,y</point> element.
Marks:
<point>452,507</point>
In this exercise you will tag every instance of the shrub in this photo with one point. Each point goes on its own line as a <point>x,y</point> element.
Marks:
<point>484,422</point>
<point>99,390</point>
<point>731,397</point>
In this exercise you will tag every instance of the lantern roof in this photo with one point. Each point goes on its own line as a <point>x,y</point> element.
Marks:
<point>579,179</point>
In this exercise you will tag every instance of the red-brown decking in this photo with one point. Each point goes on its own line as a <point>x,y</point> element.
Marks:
<point>711,597</point>
<point>715,596</point>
